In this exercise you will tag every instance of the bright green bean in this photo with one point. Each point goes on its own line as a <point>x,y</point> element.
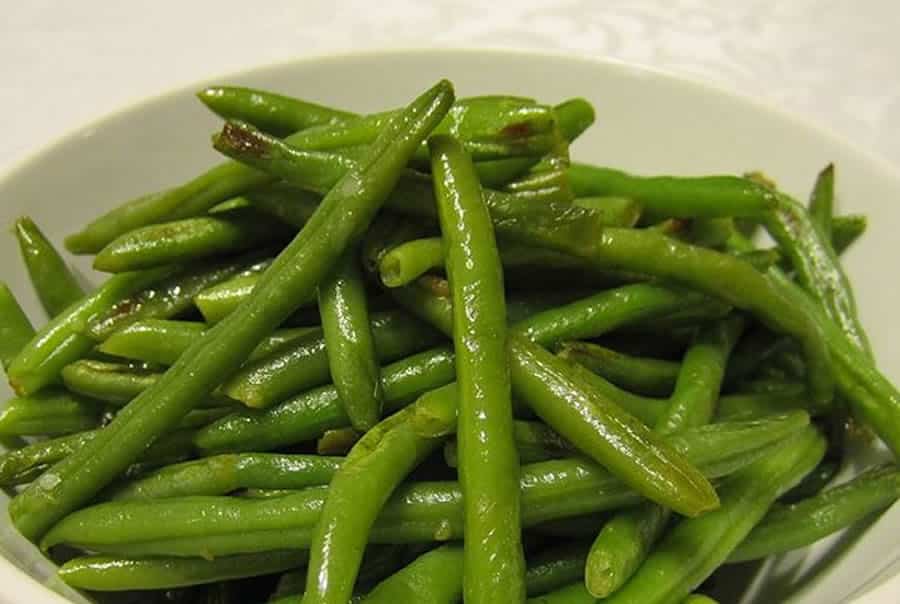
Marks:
<point>435,577</point>
<point>643,375</point>
<point>350,343</point>
<point>113,383</point>
<point>112,573</point>
<point>15,328</point>
<point>821,202</point>
<point>337,442</point>
<point>217,302</point>
<point>50,412</point>
<point>799,524</point>
<point>555,567</point>
<point>534,442</point>
<point>338,221</point>
<point>56,286</point>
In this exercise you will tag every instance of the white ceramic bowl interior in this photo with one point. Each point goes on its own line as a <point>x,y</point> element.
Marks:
<point>646,122</point>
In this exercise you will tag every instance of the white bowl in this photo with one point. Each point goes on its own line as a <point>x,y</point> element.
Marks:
<point>646,122</point>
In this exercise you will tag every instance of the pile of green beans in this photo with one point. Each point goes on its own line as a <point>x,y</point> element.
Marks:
<point>340,368</point>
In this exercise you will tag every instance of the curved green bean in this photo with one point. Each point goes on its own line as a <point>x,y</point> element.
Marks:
<point>113,573</point>
<point>337,223</point>
<point>435,577</point>
<point>190,239</point>
<point>56,286</point>
<point>799,524</point>
<point>643,375</point>
<point>350,344</point>
<point>50,412</point>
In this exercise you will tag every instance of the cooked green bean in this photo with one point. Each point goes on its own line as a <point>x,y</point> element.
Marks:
<point>575,593</point>
<point>170,296</point>
<point>56,286</point>
<point>61,341</point>
<point>339,220</point>
<point>350,344</point>
<point>814,482</point>
<point>15,328</point>
<point>190,239</point>
<point>653,377</point>
<point>417,512</point>
<point>708,540</point>
<point>799,524</point>
<point>220,300</point>
<point>50,412</point>
<point>373,468</point>
<point>435,577</point>
<point>308,415</point>
<point>113,573</point>
<point>845,230</point>
<point>222,474</point>
<point>304,363</point>
<point>555,567</point>
<point>113,383</point>
<point>534,442</point>
<point>337,442</point>
<point>408,261</point>
<point>488,462</point>
<point>821,202</point>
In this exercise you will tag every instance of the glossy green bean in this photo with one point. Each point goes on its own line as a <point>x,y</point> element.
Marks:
<point>821,202</point>
<point>417,512</point>
<point>435,577</point>
<point>15,328</point>
<point>339,220</point>
<point>290,205</point>
<point>158,341</point>
<point>50,412</point>
<point>220,300</point>
<point>304,363</point>
<point>559,395</point>
<point>817,267</point>
<point>534,442</point>
<point>373,468</point>
<point>708,540</point>
<point>191,239</point>
<point>56,286</point>
<point>308,415</point>
<point>679,197</point>
<point>350,344</point>
<point>170,296</point>
<point>61,341</point>
<point>643,375</point>
<point>799,524</point>
<point>488,462</point>
<point>113,573</point>
<point>222,474</point>
<point>555,567</point>
<point>113,383</point>
<point>408,261</point>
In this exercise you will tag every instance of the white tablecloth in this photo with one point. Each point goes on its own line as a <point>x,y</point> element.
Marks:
<point>836,62</point>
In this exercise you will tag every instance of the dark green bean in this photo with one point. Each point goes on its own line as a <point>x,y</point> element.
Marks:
<point>350,344</point>
<point>373,468</point>
<point>821,202</point>
<point>222,474</point>
<point>799,524</point>
<point>61,342</point>
<point>708,540</point>
<point>190,239</point>
<point>113,383</point>
<point>418,512</point>
<point>435,577</point>
<point>50,412</point>
<point>217,302</point>
<point>653,377</point>
<point>56,286</point>
<point>303,363</point>
<point>15,328</point>
<point>339,220</point>
<point>555,567</point>
<point>845,230</point>
<point>488,462</point>
<point>112,573</point>
<point>814,482</point>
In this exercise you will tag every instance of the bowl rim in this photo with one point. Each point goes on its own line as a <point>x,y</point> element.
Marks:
<point>34,591</point>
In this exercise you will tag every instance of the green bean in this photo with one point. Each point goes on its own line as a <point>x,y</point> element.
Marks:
<point>190,239</point>
<point>373,468</point>
<point>217,302</point>
<point>845,230</point>
<point>50,412</point>
<point>814,482</point>
<point>534,442</point>
<point>337,442</point>
<point>679,197</point>
<point>113,573</point>
<point>272,112</point>
<point>290,205</point>
<point>350,343</point>
<point>435,577</point>
<point>310,414</point>
<point>410,260</point>
<point>817,267</point>
<point>417,512</point>
<point>555,567</point>
<point>757,405</point>
<point>61,342</point>
<point>717,274</point>
<point>338,221</point>
<point>494,561</point>
<point>558,393</point>
<point>56,286</point>
<point>304,363</point>
<point>222,474</point>
<point>709,539</point>
<point>171,296</point>
<point>652,377</point>
<point>113,383</point>
<point>799,524</point>
<point>625,541</point>
<point>15,328</point>
<point>821,202</point>
<point>575,593</point>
